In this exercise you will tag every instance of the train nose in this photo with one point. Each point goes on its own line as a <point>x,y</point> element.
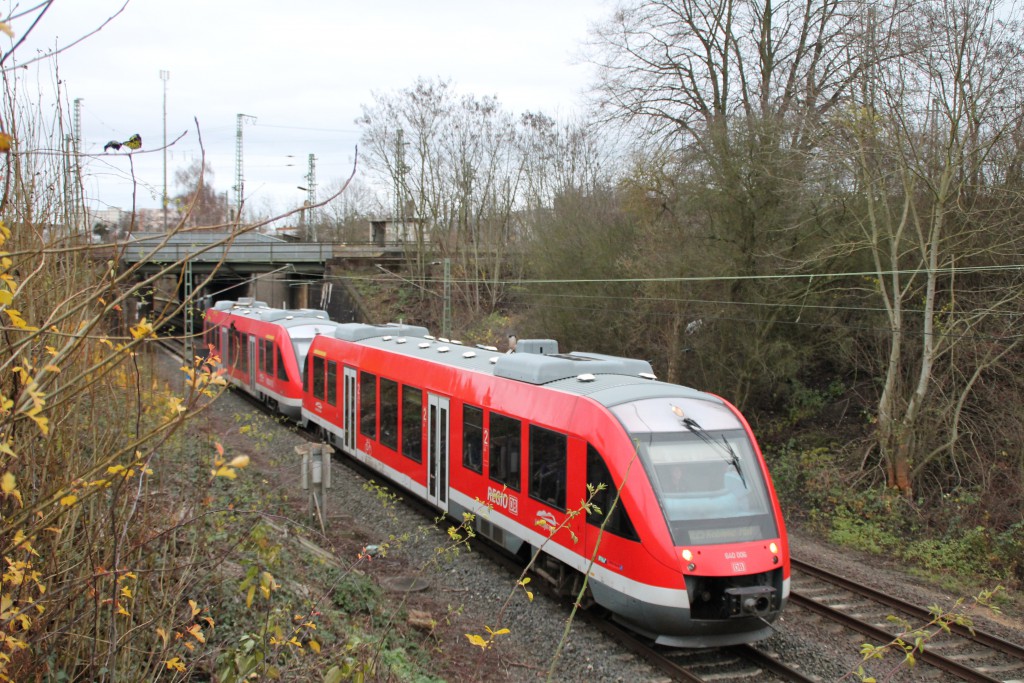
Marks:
<point>749,600</point>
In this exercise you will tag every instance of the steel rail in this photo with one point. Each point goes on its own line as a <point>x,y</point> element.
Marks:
<point>948,665</point>
<point>980,637</point>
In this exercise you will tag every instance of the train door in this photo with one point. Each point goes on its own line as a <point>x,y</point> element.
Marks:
<point>252,362</point>
<point>349,402</point>
<point>437,451</point>
<point>225,347</point>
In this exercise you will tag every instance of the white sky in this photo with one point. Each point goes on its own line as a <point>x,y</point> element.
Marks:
<point>303,68</point>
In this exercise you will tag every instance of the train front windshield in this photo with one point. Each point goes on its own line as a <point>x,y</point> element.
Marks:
<point>705,472</point>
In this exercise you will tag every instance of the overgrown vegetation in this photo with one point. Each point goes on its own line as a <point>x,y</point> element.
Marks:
<point>131,552</point>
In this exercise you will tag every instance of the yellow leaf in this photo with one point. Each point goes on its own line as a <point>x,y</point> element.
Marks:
<point>69,500</point>
<point>477,640</point>
<point>250,596</point>
<point>51,368</point>
<point>176,664</point>
<point>196,632</point>
<point>195,607</point>
<point>314,646</point>
<point>142,330</point>
<point>6,29</point>
<point>6,298</point>
<point>6,141</point>
<point>18,321</point>
<point>163,635</point>
<point>7,483</point>
<point>225,472</point>
<point>42,422</point>
<point>239,462</point>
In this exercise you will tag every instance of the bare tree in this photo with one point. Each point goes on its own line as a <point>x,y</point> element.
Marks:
<point>456,179</point>
<point>941,94</point>
<point>730,99</point>
<point>201,205</point>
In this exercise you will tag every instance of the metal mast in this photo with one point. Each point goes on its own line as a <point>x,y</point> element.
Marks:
<point>311,197</point>
<point>400,181</point>
<point>239,176</point>
<point>76,168</point>
<point>164,76</point>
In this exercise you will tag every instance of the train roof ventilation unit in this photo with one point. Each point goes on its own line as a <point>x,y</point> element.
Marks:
<point>547,347</point>
<point>355,332</point>
<point>542,369</point>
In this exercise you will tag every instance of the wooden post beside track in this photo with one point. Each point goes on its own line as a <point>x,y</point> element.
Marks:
<point>316,479</point>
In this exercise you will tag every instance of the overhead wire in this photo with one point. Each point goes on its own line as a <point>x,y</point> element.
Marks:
<point>830,324</point>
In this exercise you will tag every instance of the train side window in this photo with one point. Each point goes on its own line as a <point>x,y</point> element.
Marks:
<point>332,382</point>
<point>368,405</point>
<point>318,377</point>
<point>266,361</point>
<point>547,466</point>
<point>412,423</point>
<point>243,352</point>
<point>389,413</point>
<point>473,438</point>
<point>233,347</point>
<point>281,372</point>
<point>506,438</point>
<point>618,522</point>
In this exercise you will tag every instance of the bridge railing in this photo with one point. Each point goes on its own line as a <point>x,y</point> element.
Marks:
<point>285,253</point>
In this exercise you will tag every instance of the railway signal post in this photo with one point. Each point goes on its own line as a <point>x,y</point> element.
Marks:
<point>316,478</point>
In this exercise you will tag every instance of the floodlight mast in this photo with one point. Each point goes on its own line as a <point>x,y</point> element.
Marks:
<point>239,175</point>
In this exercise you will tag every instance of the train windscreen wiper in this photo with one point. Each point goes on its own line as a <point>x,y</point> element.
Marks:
<point>696,429</point>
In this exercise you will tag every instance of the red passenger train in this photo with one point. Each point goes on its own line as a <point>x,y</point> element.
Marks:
<point>263,348</point>
<point>694,552</point>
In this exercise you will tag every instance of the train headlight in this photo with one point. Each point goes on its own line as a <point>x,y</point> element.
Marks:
<point>773,547</point>
<point>687,554</point>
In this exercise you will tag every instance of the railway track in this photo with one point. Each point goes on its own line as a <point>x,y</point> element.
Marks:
<point>961,654</point>
<point>736,664</point>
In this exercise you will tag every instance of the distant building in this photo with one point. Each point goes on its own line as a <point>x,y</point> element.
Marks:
<point>386,231</point>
